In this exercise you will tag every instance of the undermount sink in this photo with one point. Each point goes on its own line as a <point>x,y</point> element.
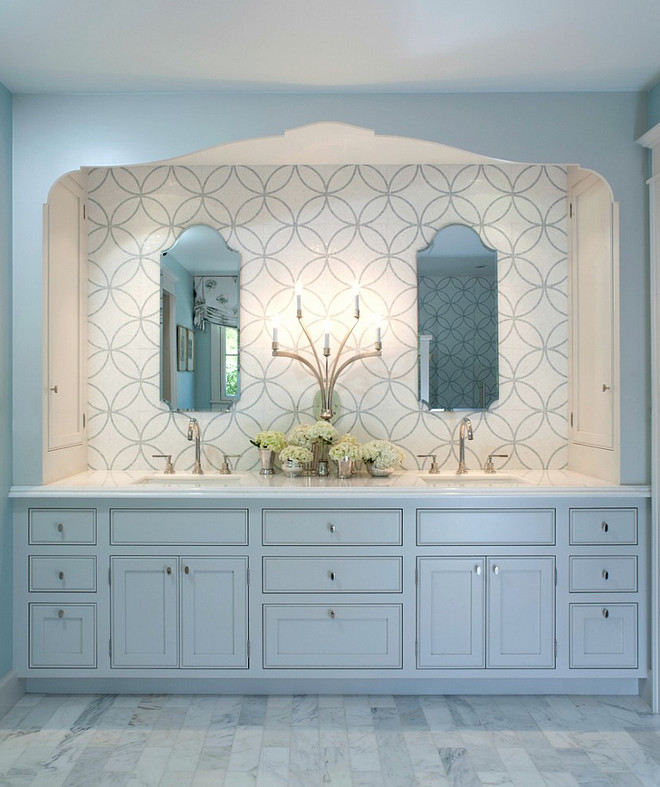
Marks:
<point>216,479</point>
<point>469,479</point>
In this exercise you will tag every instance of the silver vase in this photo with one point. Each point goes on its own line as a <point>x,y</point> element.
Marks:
<point>344,467</point>
<point>267,457</point>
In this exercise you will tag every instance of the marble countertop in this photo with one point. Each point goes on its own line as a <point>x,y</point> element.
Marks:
<point>401,484</point>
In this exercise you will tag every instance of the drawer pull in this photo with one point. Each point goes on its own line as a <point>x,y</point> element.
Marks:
<point>60,527</point>
<point>60,574</point>
<point>186,570</point>
<point>60,613</point>
<point>332,575</point>
<point>496,570</point>
<point>606,613</point>
<point>169,569</point>
<point>477,570</point>
<point>332,528</point>
<point>605,527</point>
<point>606,574</point>
<point>332,614</point>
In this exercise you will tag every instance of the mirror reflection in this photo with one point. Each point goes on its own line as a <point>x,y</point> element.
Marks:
<point>199,347</point>
<point>457,321</point>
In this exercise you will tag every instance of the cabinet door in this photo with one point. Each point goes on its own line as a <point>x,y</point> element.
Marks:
<point>594,313</point>
<point>214,612</point>
<point>521,612</point>
<point>66,274</point>
<point>144,612</point>
<point>450,612</point>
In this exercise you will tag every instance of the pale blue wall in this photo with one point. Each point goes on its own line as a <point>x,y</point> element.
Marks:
<point>55,134</point>
<point>654,106</point>
<point>5,383</point>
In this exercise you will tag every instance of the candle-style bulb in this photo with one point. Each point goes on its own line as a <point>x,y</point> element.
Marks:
<point>326,338</point>
<point>299,298</point>
<point>378,330</point>
<point>276,326</point>
<point>356,299</point>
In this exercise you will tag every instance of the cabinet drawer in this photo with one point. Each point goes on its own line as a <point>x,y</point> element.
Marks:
<point>603,636</point>
<point>62,635</point>
<point>606,573</point>
<point>62,526</point>
<point>332,574</point>
<point>179,526</point>
<point>603,526</point>
<point>332,527</point>
<point>63,574</point>
<point>486,526</point>
<point>327,637</point>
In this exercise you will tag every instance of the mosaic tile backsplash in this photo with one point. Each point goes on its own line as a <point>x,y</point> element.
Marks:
<point>327,226</point>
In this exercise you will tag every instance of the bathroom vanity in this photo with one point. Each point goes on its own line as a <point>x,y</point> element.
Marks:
<point>403,584</point>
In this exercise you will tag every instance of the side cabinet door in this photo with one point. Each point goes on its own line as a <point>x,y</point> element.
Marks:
<point>450,612</point>
<point>144,612</point>
<point>521,612</point>
<point>214,612</point>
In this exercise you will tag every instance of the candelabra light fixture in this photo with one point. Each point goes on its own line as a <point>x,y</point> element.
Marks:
<point>325,372</point>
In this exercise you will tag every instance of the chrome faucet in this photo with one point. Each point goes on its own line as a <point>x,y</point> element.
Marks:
<point>193,433</point>
<point>465,430</point>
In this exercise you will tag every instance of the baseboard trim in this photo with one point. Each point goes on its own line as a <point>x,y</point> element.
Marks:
<point>12,688</point>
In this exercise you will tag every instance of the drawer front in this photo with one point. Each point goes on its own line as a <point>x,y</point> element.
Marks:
<point>179,526</point>
<point>606,573</point>
<point>324,637</point>
<point>603,636</point>
<point>486,526</point>
<point>332,527</point>
<point>62,526</point>
<point>603,526</point>
<point>63,574</point>
<point>332,574</point>
<point>62,635</point>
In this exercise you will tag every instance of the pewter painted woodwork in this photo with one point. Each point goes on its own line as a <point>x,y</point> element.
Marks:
<point>199,338</point>
<point>457,321</point>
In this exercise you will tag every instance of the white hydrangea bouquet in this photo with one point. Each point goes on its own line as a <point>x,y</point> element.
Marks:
<point>273,440</point>
<point>381,457</point>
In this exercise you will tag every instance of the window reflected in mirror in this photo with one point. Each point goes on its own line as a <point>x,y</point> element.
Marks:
<point>200,308</point>
<point>457,321</point>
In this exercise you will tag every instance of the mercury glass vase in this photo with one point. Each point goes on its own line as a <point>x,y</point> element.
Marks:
<point>267,457</point>
<point>378,472</point>
<point>344,467</point>
<point>293,469</point>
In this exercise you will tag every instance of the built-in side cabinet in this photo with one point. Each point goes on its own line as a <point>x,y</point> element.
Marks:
<point>556,591</point>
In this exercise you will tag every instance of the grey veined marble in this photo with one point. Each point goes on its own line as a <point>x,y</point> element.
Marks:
<point>305,741</point>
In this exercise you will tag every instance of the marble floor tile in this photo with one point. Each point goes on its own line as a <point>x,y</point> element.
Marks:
<point>308,740</point>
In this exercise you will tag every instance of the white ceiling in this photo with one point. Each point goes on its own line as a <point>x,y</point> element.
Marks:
<point>50,46</point>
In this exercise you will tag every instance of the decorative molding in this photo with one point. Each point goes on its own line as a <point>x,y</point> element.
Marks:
<point>12,688</point>
<point>651,138</point>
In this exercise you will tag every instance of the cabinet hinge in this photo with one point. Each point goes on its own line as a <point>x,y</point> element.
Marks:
<point>110,648</point>
<point>555,648</point>
<point>555,577</point>
<point>248,649</point>
<point>416,576</point>
<point>571,419</point>
<point>416,649</point>
<point>570,210</point>
<point>84,419</point>
<point>248,577</point>
<point>84,211</point>
<point>109,576</point>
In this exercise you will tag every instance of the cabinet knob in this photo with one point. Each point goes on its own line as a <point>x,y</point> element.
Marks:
<point>496,569</point>
<point>477,570</point>
<point>54,389</point>
<point>169,569</point>
<point>332,614</point>
<point>332,528</point>
<point>606,574</point>
<point>605,387</point>
<point>60,613</point>
<point>60,527</point>
<point>606,613</point>
<point>605,527</point>
<point>331,574</point>
<point>186,570</point>
<point>60,574</point>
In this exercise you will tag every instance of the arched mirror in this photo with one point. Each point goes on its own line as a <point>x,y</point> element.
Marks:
<point>457,321</point>
<point>199,349</point>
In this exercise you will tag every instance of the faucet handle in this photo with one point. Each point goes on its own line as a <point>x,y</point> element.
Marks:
<point>489,467</point>
<point>434,467</point>
<point>225,469</point>
<point>169,467</point>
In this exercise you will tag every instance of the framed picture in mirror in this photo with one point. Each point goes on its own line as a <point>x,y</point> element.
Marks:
<point>181,348</point>
<point>190,358</point>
